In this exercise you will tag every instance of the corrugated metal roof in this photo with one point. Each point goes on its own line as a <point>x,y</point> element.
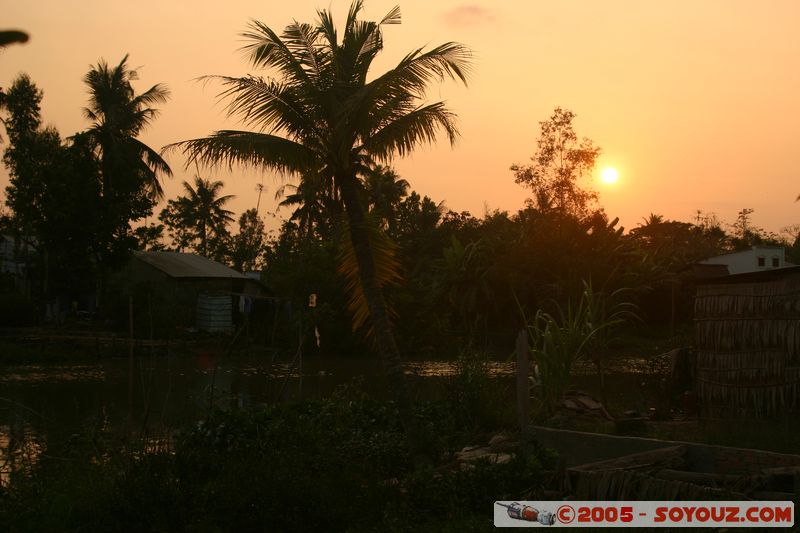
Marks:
<point>182,265</point>
<point>770,274</point>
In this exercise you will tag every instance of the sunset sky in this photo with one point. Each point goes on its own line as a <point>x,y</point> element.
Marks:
<point>696,103</point>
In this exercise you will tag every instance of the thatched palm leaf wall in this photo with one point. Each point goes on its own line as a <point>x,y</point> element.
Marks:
<point>748,345</point>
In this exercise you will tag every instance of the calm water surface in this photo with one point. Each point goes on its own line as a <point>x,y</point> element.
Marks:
<point>38,402</point>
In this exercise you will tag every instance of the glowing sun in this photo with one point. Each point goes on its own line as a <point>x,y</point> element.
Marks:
<point>609,175</point>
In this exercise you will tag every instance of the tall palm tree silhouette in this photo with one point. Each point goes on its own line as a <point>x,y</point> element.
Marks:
<point>320,115</point>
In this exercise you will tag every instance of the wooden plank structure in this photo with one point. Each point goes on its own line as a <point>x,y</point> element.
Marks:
<point>747,337</point>
<point>610,467</point>
<point>668,474</point>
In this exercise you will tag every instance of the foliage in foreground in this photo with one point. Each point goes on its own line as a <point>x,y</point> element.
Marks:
<point>333,465</point>
<point>582,330</point>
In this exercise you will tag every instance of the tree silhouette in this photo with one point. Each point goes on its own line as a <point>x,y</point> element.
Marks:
<point>53,191</point>
<point>198,219</point>
<point>561,160</point>
<point>248,246</point>
<point>320,117</point>
<point>130,169</point>
<point>385,191</point>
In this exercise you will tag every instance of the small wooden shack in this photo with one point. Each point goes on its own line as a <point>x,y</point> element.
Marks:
<point>747,337</point>
<point>174,289</point>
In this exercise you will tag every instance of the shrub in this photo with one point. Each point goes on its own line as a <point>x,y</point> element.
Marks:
<point>333,465</point>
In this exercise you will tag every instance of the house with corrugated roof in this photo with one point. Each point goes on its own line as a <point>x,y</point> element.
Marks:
<point>182,290</point>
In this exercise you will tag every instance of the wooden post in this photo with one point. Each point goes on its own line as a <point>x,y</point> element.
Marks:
<point>150,317</point>
<point>300,360</point>
<point>130,354</point>
<point>673,291</point>
<point>275,322</point>
<point>130,328</point>
<point>523,394</point>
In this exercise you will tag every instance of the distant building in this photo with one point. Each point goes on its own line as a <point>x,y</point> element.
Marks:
<point>757,259</point>
<point>174,289</point>
<point>17,262</point>
<point>14,256</point>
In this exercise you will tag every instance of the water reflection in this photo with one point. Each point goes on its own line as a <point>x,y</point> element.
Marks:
<point>44,402</point>
<point>447,368</point>
<point>20,448</point>
<point>36,373</point>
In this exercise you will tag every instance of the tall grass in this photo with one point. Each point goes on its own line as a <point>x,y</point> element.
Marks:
<point>581,330</point>
<point>473,397</point>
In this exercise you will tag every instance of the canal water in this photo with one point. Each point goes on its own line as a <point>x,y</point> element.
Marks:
<point>46,403</point>
<point>156,395</point>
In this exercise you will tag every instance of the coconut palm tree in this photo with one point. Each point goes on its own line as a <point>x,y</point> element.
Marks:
<point>316,207</point>
<point>321,112</point>
<point>385,191</point>
<point>118,116</point>
<point>652,220</point>
<point>203,209</point>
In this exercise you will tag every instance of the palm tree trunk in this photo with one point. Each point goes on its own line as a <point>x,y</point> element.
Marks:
<point>379,316</point>
<point>203,238</point>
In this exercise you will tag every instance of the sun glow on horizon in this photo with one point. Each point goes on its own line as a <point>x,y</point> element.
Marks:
<point>609,176</point>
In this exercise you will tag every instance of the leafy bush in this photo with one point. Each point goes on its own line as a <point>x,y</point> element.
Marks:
<point>473,397</point>
<point>333,465</point>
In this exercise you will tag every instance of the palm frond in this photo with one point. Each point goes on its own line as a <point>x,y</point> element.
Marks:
<point>327,28</point>
<point>301,38</point>
<point>280,192</point>
<point>398,91</point>
<point>231,147</point>
<point>370,37</point>
<point>392,17</point>
<point>157,94</point>
<point>404,133</point>
<point>387,271</point>
<point>267,50</point>
<point>152,166</point>
<point>189,189</point>
<point>266,104</point>
<point>418,69</point>
<point>352,15</point>
<point>152,158</point>
<point>374,42</point>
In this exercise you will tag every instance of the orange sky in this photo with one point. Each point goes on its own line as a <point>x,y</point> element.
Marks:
<point>697,103</point>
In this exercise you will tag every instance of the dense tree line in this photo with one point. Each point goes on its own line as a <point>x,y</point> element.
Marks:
<point>463,277</point>
<point>468,279</point>
<point>74,201</point>
<point>78,205</point>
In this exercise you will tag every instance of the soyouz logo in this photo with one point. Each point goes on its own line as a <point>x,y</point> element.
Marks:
<point>518,511</point>
<point>644,514</point>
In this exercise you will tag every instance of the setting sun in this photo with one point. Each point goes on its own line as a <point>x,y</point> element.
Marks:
<point>609,175</point>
